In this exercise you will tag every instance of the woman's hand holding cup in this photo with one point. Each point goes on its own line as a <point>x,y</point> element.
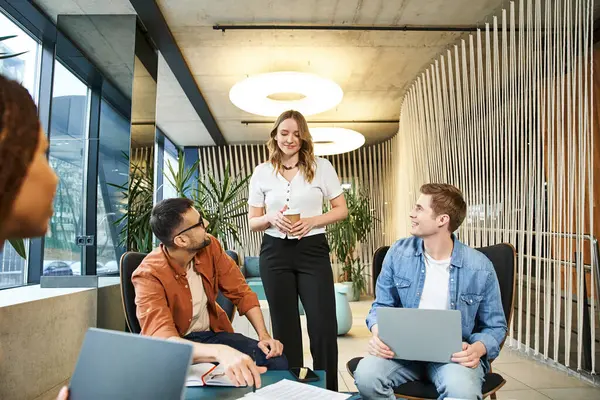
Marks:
<point>279,221</point>
<point>291,215</point>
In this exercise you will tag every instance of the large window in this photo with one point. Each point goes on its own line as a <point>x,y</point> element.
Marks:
<point>82,111</point>
<point>169,190</point>
<point>113,171</point>
<point>23,68</point>
<point>68,139</point>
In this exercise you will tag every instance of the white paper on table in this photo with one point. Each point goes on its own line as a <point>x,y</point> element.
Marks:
<point>291,390</point>
<point>207,374</point>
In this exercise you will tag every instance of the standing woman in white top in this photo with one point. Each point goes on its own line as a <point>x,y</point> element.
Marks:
<point>294,258</point>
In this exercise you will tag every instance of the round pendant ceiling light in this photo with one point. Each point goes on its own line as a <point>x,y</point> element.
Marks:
<point>329,141</point>
<point>273,93</point>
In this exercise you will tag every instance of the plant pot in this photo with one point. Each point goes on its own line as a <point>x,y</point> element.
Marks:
<point>343,313</point>
<point>355,296</point>
<point>352,296</point>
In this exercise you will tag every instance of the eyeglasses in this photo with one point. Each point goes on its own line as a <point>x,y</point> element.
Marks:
<point>200,223</point>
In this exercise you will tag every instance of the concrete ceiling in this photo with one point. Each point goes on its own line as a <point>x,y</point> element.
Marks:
<point>143,107</point>
<point>374,68</point>
<point>175,115</point>
<point>56,7</point>
<point>108,40</point>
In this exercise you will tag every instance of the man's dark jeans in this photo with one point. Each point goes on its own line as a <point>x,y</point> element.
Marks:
<point>241,343</point>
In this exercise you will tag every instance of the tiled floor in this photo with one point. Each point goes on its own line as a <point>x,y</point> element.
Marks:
<point>525,379</point>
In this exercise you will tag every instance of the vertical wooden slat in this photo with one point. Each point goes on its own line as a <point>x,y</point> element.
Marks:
<point>549,179</point>
<point>588,111</point>
<point>514,107</point>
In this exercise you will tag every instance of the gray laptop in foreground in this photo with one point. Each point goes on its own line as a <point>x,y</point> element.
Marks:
<point>420,335</point>
<point>116,365</point>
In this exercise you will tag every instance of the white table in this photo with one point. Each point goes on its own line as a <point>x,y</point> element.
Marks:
<point>243,326</point>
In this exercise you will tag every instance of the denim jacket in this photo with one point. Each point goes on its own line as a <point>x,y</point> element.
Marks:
<point>474,290</point>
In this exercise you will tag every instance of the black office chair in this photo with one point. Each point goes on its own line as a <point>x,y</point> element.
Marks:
<point>129,262</point>
<point>502,257</point>
<point>378,258</point>
<point>223,301</point>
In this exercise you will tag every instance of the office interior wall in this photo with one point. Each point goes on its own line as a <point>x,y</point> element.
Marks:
<point>507,116</point>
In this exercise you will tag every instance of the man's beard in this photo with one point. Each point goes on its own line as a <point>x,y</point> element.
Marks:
<point>202,245</point>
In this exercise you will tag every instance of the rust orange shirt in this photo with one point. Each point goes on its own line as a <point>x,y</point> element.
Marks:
<point>163,297</point>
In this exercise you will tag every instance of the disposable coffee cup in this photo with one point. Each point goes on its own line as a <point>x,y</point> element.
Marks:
<point>292,214</point>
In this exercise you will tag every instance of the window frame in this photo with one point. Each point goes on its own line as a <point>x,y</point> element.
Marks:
<point>57,46</point>
<point>30,269</point>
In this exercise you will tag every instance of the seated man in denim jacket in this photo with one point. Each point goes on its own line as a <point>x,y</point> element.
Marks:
<point>433,270</point>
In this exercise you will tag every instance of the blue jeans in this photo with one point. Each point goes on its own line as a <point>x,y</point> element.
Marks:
<point>240,343</point>
<point>377,377</point>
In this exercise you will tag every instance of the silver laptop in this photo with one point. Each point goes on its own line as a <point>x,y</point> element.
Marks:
<point>420,335</point>
<point>117,365</point>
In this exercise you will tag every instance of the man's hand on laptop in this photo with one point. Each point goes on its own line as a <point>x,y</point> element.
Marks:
<point>471,354</point>
<point>239,367</point>
<point>376,347</point>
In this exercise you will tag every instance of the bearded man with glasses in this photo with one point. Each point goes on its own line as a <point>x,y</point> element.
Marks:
<point>176,288</point>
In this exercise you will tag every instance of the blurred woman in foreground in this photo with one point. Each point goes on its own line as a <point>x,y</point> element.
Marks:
<point>27,182</point>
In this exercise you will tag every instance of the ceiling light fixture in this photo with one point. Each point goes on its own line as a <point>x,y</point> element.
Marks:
<point>329,141</point>
<point>271,94</point>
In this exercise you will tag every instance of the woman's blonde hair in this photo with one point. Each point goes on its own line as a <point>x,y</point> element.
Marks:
<point>306,156</point>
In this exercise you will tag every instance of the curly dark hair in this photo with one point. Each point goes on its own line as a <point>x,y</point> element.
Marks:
<point>19,136</point>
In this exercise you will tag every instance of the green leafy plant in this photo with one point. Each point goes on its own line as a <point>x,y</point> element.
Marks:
<point>222,204</point>
<point>19,246</point>
<point>138,196</point>
<point>345,235</point>
<point>181,178</point>
<point>4,56</point>
<point>220,201</point>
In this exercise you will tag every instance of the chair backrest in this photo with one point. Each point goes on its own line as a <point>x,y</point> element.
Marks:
<point>129,262</point>
<point>223,301</point>
<point>234,256</point>
<point>502,257</point>
<point>251,267</point>
<point>378,258</point>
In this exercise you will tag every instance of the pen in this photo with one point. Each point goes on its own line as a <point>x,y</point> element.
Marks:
<point>254,382</point>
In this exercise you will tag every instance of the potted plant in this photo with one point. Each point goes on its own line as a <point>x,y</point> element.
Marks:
<point>222,203</point>
<point>138,196</point>
<point>345,235</point>
<point>181,178</point>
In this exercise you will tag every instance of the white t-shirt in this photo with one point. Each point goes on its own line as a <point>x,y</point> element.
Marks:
<point>436,288</point>
<point>200,319</point>
<point>269,189</point>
